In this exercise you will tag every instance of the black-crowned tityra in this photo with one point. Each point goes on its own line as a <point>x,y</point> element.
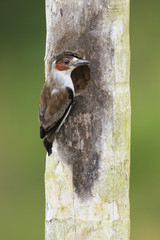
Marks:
<point>57,98</point>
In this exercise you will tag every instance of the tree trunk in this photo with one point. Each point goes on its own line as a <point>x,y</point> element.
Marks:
<point>87,176</point>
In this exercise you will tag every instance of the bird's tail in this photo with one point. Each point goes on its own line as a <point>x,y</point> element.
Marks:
<point>48,146</point>
<point>51,133</point>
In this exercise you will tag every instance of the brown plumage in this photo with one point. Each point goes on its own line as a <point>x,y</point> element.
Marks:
<point>56,99</point>
<point>52,106</point>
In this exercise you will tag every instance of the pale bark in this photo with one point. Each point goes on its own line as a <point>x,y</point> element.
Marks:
<point>87,176</point>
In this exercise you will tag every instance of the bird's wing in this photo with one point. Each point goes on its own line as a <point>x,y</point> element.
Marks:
<point>54,105</point>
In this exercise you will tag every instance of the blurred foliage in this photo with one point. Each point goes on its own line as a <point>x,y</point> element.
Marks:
<point>22,157</point>
<point>145,90</point>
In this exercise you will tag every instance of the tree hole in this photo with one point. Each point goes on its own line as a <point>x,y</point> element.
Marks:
<point>80,77</point>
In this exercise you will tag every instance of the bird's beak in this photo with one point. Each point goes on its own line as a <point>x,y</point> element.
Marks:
<point>81,62</point>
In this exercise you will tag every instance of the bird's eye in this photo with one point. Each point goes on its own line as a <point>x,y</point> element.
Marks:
<point>66,61</point>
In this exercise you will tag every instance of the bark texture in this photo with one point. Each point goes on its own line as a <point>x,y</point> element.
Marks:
<point>87,176</point>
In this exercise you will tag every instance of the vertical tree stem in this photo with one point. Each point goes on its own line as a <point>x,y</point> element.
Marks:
<point>87,176</point>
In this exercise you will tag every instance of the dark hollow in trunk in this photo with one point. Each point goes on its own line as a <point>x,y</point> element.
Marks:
<point>79,139</point>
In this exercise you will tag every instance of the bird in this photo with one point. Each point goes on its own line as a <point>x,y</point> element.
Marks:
<point>57,98</point>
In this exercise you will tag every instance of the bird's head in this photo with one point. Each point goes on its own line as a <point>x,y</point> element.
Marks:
<point>68,63</point>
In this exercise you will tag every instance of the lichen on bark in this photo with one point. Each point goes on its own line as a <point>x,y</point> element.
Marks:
<point>87,176</point>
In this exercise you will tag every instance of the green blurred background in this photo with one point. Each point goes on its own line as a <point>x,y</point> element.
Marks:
<point>22,157</point>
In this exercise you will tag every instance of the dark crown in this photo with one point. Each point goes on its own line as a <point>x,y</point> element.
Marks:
<point>60,58</point>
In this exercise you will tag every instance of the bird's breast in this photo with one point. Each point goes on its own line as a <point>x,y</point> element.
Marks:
<point>63,79</point>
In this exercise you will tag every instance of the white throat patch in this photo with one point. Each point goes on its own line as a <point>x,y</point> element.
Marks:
<point>63,78</point>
